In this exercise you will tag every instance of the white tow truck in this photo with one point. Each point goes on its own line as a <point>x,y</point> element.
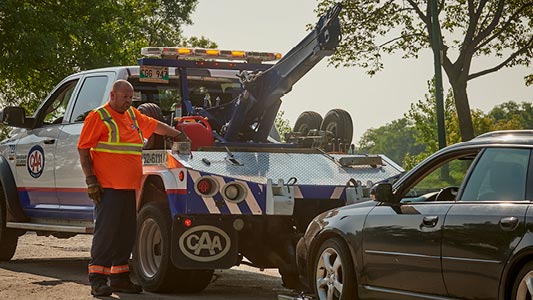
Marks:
<point>234,195</point>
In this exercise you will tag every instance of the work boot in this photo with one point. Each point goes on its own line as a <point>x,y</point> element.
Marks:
<point>101,289</point>
<point>126,286</point>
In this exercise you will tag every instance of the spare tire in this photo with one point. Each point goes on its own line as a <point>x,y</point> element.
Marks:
<point>339,123</point>
<point>155,141</point>
<point>308,120</point>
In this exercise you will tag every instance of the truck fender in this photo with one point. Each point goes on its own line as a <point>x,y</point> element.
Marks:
<point>165,177</point>
<point>14,207</point>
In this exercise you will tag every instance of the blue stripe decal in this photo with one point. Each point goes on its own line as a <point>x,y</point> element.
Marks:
<point>319,192</point>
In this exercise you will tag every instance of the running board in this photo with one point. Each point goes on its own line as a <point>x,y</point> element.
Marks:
<point>50,227</point>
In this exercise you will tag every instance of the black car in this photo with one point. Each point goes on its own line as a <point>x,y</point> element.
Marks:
<point>457,226</point>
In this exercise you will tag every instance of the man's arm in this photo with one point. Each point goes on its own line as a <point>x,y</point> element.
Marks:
<point>164,129</point>
<point>86,162</point>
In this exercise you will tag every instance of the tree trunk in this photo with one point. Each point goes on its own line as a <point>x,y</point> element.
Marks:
<point>463,108</point>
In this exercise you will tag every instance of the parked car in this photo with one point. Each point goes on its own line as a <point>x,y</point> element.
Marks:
<point>458,225</point>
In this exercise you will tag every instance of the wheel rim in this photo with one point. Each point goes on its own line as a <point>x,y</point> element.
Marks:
<point>525,289</point>
<point>150,248</point>
<point>329,275</point>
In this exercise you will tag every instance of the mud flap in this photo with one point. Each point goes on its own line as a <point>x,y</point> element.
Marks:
<point>204,243</point>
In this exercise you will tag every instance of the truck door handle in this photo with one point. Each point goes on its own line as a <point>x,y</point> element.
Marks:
<point>509,223</point>
<point>430,221</point>
<point>49,142</point>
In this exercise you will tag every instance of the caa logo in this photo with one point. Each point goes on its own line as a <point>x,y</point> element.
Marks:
<point>204,243</point>
<point>35,161</point>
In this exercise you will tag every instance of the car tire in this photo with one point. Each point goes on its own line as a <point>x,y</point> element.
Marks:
<point>339,123</point>
<point>333,275</point>
<point>152,110</point>
<point>8,237</point>
<point>520,290</point>
<point>152,255</point>
<point>308,120</point>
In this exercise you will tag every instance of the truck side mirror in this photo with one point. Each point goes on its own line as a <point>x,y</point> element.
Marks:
<point>382,192</point>
<point>14,116</point>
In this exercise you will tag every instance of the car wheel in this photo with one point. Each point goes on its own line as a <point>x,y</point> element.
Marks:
<point>8,237</point>
<point>339,123</point>
<point>155,141</point>
<point>308,120</point>
<point>523,286</point>
<point>334,274</point>
<point>152,260</point>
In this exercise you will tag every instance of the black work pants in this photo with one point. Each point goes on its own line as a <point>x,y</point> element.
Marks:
<point>114,236</point>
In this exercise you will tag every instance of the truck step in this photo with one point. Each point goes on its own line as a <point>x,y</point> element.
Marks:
<point>50,227</point>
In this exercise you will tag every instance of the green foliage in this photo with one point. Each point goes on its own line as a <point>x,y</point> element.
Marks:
<point>411,139</point>
<point>41,42</point>
<point>282,125</point>
<point>394,139</point>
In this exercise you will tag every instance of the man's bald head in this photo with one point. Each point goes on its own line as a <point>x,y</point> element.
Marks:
<point>121,95</point>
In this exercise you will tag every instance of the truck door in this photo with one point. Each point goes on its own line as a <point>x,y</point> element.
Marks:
<point>35,153</point>
<point>70,179</point>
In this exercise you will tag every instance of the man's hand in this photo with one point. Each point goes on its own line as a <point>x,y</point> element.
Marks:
<point>94,189</point>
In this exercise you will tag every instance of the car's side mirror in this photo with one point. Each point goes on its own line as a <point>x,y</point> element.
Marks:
<point>382,192</point>
<point>14,116</point>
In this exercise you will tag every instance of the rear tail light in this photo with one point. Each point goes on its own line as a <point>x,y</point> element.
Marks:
<point>206,186</point>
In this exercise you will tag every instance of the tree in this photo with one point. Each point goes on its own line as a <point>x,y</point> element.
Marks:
<point>282,125</point>
<point>394,139</point>
<point>41,42</point>
<point>471,28</point>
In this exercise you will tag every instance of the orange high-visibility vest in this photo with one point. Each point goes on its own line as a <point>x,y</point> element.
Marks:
<point>116,141</point>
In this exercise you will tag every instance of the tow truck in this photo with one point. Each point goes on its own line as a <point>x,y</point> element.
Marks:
<point>234,195</point>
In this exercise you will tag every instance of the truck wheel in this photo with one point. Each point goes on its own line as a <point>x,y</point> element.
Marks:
<point>152,262</point>
<point>333,275</point>
<point>8,237</point>
<point>308,120</point>
<point>155,141</point>
<point>339,122</point>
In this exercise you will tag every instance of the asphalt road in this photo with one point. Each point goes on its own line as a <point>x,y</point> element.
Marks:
<point>51,268</point>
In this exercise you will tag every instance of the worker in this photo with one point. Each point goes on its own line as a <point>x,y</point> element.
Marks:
<point>110,155</point>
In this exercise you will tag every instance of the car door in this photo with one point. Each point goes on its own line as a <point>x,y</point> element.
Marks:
<point>402,241</point>
<point>486,223</point>
<point>35,153</point>
<point>70,179</point>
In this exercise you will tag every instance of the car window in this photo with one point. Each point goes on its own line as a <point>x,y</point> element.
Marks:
<point>90,97</point>
<point>57,104</point>
<point>500,174</point>
<point>448,175</point>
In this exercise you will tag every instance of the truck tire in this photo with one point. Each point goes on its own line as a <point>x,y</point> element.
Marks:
<point>339,123</point>
<point>308,120</point>
<point>152,258</point>
<point>8,237</point>
<point>155,141</point>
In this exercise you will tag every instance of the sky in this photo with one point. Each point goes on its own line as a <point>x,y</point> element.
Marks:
<point>278,25</point>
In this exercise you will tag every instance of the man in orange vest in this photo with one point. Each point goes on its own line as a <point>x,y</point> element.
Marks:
<point>110,147</point>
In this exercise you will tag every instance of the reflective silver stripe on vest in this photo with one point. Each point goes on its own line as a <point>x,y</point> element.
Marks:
<point>113,136</point>
<point>132,115</point>
<point>113,144</point>
<point>119,147</point>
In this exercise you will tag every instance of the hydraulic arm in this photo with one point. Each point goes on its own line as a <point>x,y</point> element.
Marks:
<point>258,104</point>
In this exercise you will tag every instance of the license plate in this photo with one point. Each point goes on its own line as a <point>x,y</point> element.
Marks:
<point>154,74</point>
<point>155,158</point>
